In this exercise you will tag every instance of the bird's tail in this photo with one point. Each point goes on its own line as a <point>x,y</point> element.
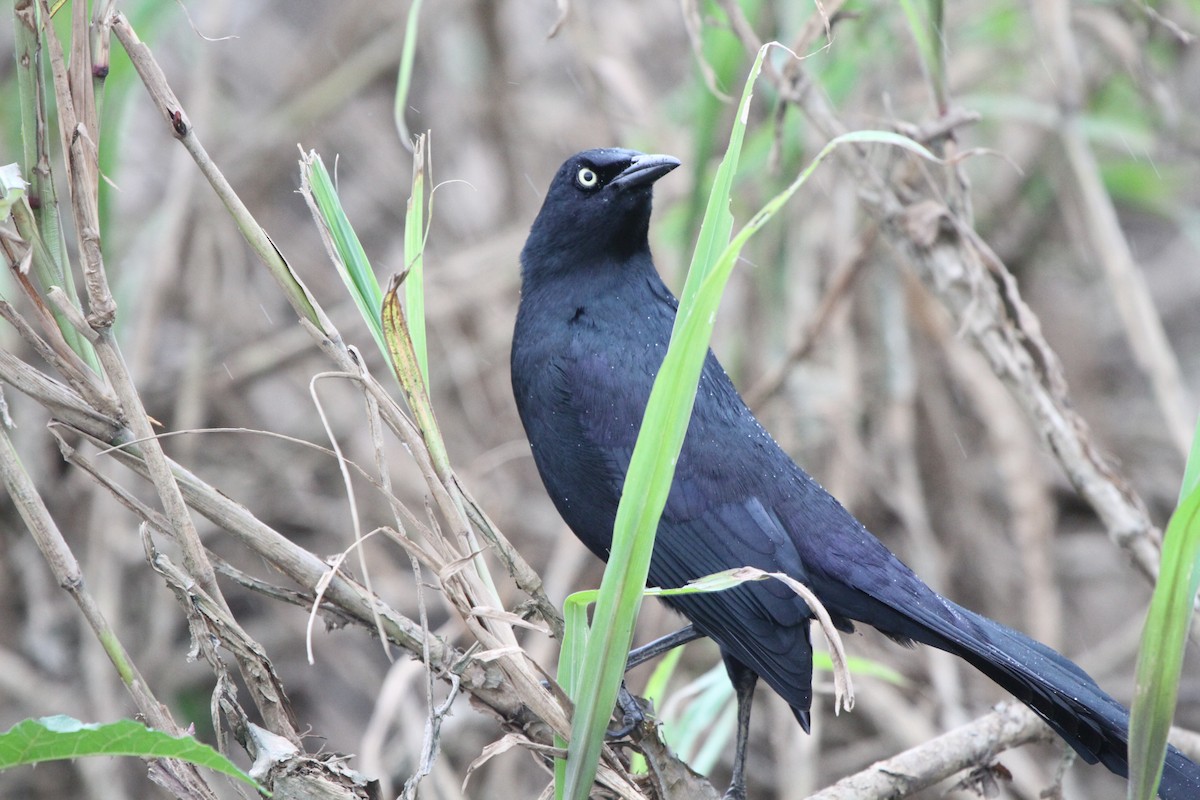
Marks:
<point>1061,693</point>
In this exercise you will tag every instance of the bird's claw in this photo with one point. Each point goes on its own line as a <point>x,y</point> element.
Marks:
<point>633,714</point>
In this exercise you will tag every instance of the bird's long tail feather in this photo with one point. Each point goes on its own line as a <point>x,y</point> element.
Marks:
<point>1061,693</point>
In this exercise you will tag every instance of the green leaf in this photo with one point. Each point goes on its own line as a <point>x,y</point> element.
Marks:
<point>351,259</point>
<point>1191,471</point>
<point>404,75</point>
<point>701,727</point>
<point>33,741</point>
<point>570,664</point>
<point>48,270</point>
<point>349,255</point>
<point>414,247</point>
<point>1160,658</point>
<point>926,31</point>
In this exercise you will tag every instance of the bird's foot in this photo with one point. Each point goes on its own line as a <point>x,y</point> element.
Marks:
<point>633,714</point>
<point>735,792</point>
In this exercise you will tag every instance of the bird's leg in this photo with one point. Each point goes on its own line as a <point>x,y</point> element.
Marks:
<point>640,655</point>
<point>743,680</point>
<point>633,713</point>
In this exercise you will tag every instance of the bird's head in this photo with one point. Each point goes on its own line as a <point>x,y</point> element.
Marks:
<point>598,207</point>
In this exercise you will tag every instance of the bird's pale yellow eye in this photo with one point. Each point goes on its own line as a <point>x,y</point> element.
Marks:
<point>586,178</point>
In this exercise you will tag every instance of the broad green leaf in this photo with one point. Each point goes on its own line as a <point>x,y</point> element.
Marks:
<point>33,741</point>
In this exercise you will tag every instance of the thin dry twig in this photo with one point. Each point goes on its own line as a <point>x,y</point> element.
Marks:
<point>74,91</point>
<point>210,622</point>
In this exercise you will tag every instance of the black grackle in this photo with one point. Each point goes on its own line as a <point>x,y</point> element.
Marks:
<point>593,326</point>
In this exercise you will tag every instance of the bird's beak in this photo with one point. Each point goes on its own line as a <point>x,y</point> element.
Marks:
<point>645,170</point>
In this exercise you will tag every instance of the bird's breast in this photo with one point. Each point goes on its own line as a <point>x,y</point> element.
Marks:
<point>582,372</point>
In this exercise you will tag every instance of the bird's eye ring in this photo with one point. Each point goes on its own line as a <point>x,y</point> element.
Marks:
<point>586,178</point>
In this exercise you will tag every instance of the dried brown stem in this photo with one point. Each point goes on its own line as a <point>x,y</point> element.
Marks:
<point>972,746</point>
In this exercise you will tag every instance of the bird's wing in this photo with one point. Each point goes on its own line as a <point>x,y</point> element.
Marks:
<point>762,624</point>
<point>711,522</point>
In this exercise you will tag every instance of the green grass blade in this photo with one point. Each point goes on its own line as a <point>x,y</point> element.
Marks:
<point>347,250</point>
<point>39,221</point>
<point>1191,471</point>
<point>570,664</point>
<point>927,32</point>
<point>414,218</point>
<point>404,75</point>
<point>717,223</point>
<point>33,89</point>
<point>575,636</point>
<point>15,203</point>
<point>707,722</point>
<point>1164,638</point>
<point>414,247</point>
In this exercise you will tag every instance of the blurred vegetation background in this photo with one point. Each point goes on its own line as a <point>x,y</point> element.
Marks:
<point>882,401</point>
